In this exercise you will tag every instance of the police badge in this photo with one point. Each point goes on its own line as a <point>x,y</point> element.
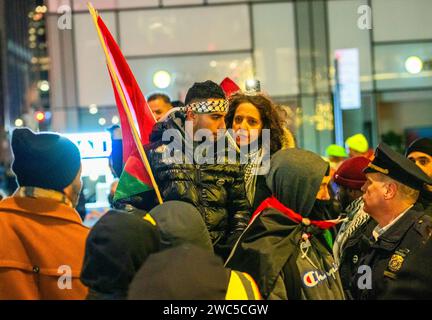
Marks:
<point>396,262</point>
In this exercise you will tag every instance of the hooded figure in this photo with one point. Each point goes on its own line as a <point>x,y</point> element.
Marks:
<point>295,177</point>
<point>116,248</point>
<point>273,249</point>
<point>180,222</point>
<point>185,272</point>
<point>187,267</point>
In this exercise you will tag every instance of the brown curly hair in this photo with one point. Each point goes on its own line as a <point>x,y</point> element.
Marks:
<point>269,116</point>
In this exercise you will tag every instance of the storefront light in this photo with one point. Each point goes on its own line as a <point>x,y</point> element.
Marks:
<point>44,86</point>
<point>413,65</point>
<point>162,79</point>
<point>93,109</point>
<point>19,122</point>
<point>102,121</point>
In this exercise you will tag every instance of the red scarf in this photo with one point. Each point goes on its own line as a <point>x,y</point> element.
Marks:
<point>272,202</point>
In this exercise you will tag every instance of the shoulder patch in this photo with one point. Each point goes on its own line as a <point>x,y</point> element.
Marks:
<point>423,226</point>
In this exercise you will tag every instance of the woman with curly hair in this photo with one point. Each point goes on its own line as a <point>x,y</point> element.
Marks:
<point>248,116</point>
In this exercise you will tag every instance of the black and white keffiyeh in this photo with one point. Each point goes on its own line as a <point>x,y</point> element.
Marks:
<point>208,106</point>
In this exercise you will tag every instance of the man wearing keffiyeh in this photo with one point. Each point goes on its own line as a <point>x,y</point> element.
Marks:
<point>190,165</point>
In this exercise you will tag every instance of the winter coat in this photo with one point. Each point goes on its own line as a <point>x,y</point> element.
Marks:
<point>217,190</point>
<point>41,240</point>
<point>415,280</point>
<point>269,249</point>
<point>187,272</point>
<point>386,257</point>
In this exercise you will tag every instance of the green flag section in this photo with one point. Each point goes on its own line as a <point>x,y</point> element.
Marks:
<point>132,180</point>
<point>328,238</point>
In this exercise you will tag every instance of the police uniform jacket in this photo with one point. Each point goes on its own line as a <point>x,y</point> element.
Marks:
<point>386,256</point>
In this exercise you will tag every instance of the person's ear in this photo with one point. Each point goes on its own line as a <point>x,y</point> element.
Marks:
<point>391,191</point>
<point>190,115</point>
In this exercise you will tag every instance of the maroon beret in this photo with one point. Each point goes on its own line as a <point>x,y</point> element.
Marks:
<point>350,173</point>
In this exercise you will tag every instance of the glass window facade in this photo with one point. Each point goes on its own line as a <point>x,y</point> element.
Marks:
<point>288,45</point>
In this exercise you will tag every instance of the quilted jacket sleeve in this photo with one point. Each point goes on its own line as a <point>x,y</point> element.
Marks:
<point>238,207</point>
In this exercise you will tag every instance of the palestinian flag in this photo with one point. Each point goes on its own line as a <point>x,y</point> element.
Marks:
<point>136,118</point>
<point>133,179</point>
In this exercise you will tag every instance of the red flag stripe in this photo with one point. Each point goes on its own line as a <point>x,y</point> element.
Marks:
<point>132,108</point>
<point>272,202</point>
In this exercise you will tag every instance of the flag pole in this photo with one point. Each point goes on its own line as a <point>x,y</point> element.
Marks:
<point>135,135</point>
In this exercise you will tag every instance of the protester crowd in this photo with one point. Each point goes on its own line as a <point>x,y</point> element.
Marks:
<point>246,214</point>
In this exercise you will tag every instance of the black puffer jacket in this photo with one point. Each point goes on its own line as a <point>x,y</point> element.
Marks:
<point>217,190</point>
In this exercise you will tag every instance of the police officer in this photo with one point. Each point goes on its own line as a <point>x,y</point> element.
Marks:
<point>377,253</point>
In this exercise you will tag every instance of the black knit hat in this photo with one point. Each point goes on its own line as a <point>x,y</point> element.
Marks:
<point>420,145</point>
<point>203,91</point>
<point>44,160</point>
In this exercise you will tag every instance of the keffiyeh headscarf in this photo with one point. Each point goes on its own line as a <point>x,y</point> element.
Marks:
<point>208,106</point>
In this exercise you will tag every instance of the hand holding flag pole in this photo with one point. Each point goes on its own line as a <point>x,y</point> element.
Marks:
<point>124,102</point>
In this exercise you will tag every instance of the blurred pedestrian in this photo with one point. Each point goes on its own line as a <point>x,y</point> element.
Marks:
<point>43,237</point>
<point>350,179</point>
<point>116,156</point>
<point>358,146</point>
<point>336,155</point>
<point>420,152</point>
<point>159,104</point>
